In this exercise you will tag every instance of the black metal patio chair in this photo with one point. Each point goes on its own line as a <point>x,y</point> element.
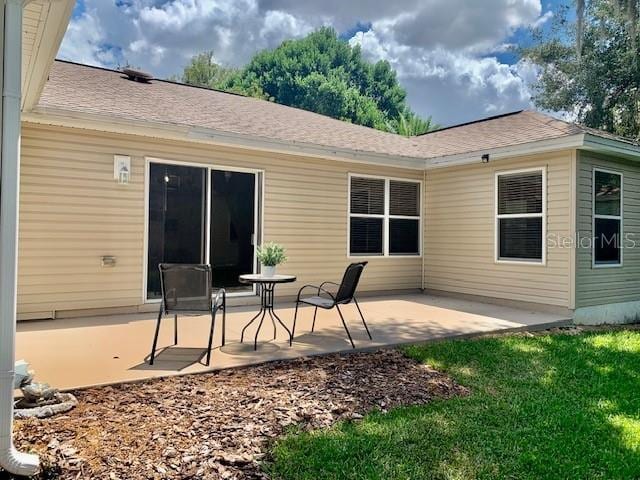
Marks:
<point>187,289</point>
<point>326,300</point>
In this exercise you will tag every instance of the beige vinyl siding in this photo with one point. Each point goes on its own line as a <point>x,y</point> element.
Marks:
<point>72,212</point>
<point>460,233</point>
<point>598,286</point>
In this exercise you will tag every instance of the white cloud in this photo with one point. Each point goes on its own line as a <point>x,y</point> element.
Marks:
<point>425,23</point>
<point>440,48</point>
<point>452,85</point>
<point>460,24</point>
<point>279,24</point>
<point>163,37</point>
<point>84,41</point>
<point>543,19</point>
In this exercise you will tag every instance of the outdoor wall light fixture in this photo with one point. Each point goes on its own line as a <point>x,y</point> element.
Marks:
<point>485,158</point>
<point>122,168</point>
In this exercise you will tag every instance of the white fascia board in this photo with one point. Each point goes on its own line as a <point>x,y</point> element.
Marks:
<point>44,52</point>
<point>611,146</point>
<point>524,149</point>
<point>65,118</point>
<point>101,123</point>
<point>580,141</point>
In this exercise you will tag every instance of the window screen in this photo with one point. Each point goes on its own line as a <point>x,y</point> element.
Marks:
<point>366,236</point>
<point>607,193</point>
<point>384,217</point>
<point>520,216</point>
<point>404,236</point>
<point>520,193</point>
<point>404,198</point>
<point>607,218</point>
<point>520,238</point>
<point>367,196</point>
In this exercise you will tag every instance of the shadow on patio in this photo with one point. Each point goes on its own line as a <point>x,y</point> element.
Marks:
<point>72,353</point>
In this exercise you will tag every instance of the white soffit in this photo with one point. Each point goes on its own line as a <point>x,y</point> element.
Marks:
<point>43,26</point>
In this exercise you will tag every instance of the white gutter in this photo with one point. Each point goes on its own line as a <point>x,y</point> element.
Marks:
<point>580,141</point>
<point>611,146</point>
<point>102,123</point>
<point>10,459</point>
<point>529,148</point>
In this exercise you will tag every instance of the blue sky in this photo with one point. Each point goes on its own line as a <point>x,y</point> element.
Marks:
<point>454,57</point>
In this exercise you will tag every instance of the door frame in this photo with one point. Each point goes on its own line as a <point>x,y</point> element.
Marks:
<point>258,220</point>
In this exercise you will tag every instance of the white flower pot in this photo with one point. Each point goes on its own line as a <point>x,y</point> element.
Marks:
<point>268,271</point>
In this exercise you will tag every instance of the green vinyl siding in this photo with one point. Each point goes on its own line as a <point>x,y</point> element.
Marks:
<point>599,286</point>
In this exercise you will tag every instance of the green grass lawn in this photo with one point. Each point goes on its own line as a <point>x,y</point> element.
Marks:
<point>552,406</point>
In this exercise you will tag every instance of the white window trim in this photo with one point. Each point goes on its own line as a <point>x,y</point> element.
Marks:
<point>594,215</point>
<point>385,217</point>
<point>512,261</point>
<point>258,220</point>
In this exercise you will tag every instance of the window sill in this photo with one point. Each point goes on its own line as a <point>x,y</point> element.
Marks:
<point>366,257</point>
<point>534,263</point>
<point>597,266</point>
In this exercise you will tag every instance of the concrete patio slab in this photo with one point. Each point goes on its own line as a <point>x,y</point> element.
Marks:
<point>81,352</point>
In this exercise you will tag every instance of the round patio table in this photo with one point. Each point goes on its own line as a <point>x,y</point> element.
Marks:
<point>266,285</point>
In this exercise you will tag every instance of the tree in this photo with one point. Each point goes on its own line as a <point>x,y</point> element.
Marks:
<point>590,67</point>
<point>409,124</point>
<point>319,73</point>
<point>326,75</point>
<point>203,71</point>
<point>628,6</point>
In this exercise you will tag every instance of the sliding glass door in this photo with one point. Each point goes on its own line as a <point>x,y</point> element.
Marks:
<point>177,219</point>
<point>201,215</point>
<point>232,227</point>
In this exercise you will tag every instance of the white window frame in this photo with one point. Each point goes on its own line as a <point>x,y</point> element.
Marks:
<point>594,215</point>
<point>258,220</point>
<point>542,214</point>
<point>386,217</point>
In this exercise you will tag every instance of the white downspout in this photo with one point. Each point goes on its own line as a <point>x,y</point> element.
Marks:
<point>10,459</point>
<point>423,235</point>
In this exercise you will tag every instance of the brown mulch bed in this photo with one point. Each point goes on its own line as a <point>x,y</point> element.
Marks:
<point>566,330</point>
<point>220,425</point>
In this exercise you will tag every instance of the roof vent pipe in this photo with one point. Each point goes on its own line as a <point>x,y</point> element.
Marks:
<point>11,460</point>
<point>137,75</point>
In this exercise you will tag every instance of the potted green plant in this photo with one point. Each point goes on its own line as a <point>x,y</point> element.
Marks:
<point>270,255</point>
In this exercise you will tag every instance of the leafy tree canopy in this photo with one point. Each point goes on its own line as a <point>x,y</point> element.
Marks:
<point>203,71</point>
<point>320,73</point>
<point>589,67</point>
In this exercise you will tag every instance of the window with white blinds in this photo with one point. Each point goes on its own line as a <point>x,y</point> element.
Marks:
<point>607,218</point>
<point>520,216</point>
<point>384,216</point>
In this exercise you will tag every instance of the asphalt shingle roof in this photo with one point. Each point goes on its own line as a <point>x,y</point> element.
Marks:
<point>84,89</point>
<point>500,131</point>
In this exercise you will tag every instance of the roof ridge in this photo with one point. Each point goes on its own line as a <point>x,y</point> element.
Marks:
<point>156,79</point>
<point>550,119</point>
<point>585,129</point>
<point>480,120</point>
